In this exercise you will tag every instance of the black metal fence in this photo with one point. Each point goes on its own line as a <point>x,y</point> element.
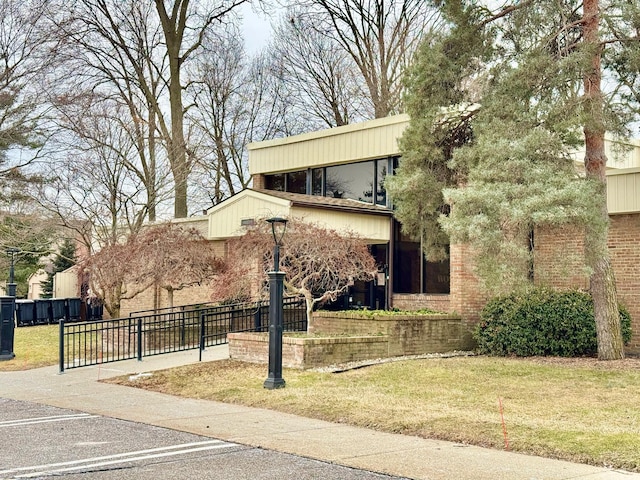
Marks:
<point>104,341</point>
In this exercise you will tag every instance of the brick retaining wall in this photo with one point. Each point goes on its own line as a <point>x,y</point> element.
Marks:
<point>308,352</point>
<point>408,334</point>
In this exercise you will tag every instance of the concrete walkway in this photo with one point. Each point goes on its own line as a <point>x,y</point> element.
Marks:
<point>398,455</point>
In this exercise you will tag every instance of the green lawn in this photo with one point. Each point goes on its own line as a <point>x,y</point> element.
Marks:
<point>34,347</point>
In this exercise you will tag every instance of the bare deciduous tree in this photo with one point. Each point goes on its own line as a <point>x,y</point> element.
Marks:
<point>380,37</point>
<point>138,52</point>
<point>320,75</point>
<point>91,187</point>
<point>112,274</point>
<point>166,256</point>
<point>320,263</point>
<point>174,258</point>
<point>224,115</point>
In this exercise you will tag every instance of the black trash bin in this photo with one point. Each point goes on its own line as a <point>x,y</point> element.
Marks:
<point>43,310</point>
<point>96,311</point>
<point>72,312</point>
<point>58,306</point>
<point>25,312</point>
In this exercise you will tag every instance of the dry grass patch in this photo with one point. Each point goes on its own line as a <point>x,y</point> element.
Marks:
<point>579,410</point>
<point>34,347</point>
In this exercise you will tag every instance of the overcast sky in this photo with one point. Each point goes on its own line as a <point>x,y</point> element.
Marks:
<point>256,27</point>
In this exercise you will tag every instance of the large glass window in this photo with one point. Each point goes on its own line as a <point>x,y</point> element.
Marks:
<point>297,182</point>
<point>363,181</point>
<point>354,181</point>
<point>412,273</point>
<point>317,176</point>
<point>275,182</point>
<point>381,173</point>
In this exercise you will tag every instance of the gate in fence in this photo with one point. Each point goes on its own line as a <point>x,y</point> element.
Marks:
<point>167,331</point>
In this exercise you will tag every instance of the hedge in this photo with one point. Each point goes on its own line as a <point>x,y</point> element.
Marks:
<point>541,322</point>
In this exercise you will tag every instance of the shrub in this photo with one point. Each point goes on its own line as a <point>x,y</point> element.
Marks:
<point>541,322</point>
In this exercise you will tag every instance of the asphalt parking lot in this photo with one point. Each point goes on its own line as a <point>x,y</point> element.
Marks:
<point>41,441</point>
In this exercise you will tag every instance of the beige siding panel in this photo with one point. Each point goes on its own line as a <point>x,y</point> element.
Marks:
<point>65,284</point>
<point>620,155</point>
<point>226,222</point>
<point>363,141</point>
<point>623,191</point>
<point>373,228</point>
<point>200,223</point>
<point>34,289</point>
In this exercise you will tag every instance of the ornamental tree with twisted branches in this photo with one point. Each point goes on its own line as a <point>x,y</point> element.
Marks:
<point>166,256</point>
<point>319,263</point>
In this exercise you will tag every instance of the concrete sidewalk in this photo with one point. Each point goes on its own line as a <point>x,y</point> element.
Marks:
<point>398,455</point>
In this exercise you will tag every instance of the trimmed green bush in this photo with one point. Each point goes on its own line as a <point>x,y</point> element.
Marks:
<point>541,322</point>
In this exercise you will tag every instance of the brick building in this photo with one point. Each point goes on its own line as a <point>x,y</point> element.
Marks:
<point>335,177</point>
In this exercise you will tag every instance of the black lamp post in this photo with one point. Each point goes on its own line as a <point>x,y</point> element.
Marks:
<point>276,314</point>
<point>11,286</point>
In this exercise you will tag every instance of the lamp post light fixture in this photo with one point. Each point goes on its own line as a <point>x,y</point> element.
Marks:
<point>276,312</point>
<point>11,286</point>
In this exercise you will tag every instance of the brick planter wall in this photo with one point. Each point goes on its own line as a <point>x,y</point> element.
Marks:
<point>417,301</point>
<point>408,334</point>
<point>309,352</point>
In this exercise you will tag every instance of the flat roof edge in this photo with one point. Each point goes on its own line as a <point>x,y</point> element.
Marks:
<point>330,132</point>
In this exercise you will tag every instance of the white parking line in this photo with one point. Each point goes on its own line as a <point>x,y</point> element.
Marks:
<point>88,463</point>
<point>56,418</point>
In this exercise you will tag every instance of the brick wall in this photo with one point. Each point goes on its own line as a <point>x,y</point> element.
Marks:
<point>419,301</point>
<point>186,296</point>
<point>559,258</point>
<point>258,181</point>
<point>298,352</point>
<point>467,298</point>
<point>559,262</point>
<point>408,334</point>
<point>158,298</point>
<point>624,247</point>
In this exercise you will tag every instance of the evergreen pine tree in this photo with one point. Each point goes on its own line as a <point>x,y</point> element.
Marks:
<point>498,101</point>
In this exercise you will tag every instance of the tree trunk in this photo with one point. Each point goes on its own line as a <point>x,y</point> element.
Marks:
<point>309,304</point>
<point>603,286</point>
<point>173,28</point>
<point>169,297</point>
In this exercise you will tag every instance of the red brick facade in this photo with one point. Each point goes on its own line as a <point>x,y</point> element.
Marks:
<point>466,298</point>
<point>624,245</point>
<point>158,298</point>
<point>559,262</point>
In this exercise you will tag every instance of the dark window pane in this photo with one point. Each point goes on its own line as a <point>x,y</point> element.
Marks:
<point>406,267</point>
<point>316,182</point>
<point>297,182</point>
<point>274,182</point>
<point>409,265</point>
<point>354,181</point>
<point>436,277</point>
<point>381,193</point>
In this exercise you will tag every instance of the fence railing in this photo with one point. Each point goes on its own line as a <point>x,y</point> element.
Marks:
<point>91,343</point>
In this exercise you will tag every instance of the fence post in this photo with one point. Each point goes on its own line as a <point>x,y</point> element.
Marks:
<point>257,319</point>
<point>201,336</point>
<point>61,345</point>
<point>139,339</point>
